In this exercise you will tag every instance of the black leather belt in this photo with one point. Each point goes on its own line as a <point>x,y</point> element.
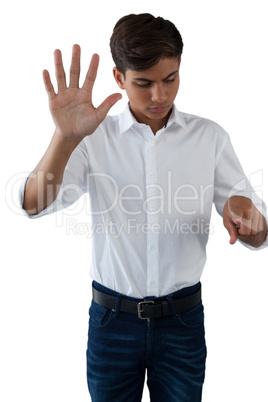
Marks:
<point>146,309</point>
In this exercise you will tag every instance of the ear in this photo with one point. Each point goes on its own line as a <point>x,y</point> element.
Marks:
<point>119,78</point>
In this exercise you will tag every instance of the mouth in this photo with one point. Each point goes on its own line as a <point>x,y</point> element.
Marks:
<point>159,109</point>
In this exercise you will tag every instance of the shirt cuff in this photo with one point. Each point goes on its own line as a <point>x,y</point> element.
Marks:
<point>53,207</point>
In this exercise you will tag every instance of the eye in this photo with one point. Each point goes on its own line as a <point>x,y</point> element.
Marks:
<point>170,81</point>
<point>143,85</point>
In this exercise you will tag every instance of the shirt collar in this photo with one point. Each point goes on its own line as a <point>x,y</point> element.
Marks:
<point>176,117</point>
<point>127,120</point>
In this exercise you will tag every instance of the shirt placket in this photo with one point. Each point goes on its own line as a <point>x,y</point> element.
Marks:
<point>152,219</point>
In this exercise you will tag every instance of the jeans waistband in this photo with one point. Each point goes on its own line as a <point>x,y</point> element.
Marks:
<point>177,294</point>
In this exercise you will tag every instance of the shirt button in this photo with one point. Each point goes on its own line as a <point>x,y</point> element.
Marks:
<point>153,247</point>
<point>151,175</point>
<point>151,143</point>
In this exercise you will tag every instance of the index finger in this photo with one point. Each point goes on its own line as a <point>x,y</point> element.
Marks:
<point>91,73</point>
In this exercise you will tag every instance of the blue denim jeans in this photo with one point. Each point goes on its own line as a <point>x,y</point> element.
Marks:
<point>121,347</point>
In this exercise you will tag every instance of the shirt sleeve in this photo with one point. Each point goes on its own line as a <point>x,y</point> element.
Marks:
<point>74,183</point>
<point>231,180</point>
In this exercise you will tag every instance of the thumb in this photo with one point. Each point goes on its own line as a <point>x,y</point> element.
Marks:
<point>231,226</point>
<point>106,105</point>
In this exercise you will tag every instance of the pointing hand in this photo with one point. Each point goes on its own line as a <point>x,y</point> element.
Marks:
<point>244,222</point>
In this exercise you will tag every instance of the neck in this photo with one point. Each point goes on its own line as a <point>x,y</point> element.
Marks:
<point>155,124</point>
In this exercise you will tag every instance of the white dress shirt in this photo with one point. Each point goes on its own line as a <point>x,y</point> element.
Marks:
<point>151,199</point>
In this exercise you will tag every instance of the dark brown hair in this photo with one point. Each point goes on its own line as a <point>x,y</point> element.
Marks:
<point>139,41</point>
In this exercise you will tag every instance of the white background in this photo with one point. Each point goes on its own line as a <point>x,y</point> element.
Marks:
<point>45,288</point>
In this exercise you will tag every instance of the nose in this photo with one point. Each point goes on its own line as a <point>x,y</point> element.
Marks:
<point>158,94</point>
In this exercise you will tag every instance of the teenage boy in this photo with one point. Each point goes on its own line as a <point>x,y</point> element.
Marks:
<point>153,174</point>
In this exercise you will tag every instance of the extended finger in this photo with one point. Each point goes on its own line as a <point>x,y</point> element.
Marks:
<point>106,105</point>
<point>231,228</point>
<point>60,73</point>
<point>48,85</point>
<point>75,67</point>
<point>91,73</point>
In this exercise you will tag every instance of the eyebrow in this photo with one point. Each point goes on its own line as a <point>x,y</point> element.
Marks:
<point>147,80</point>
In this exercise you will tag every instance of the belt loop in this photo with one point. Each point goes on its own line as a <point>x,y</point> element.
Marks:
<point>171,305</point>
<point>117,305</point>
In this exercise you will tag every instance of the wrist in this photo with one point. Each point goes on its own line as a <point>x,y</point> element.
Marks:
<point>63,144</point>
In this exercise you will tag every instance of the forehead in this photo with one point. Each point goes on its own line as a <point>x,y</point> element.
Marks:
<point>160,70</point>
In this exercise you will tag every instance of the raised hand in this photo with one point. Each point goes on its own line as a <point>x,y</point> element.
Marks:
<point>71,108</point>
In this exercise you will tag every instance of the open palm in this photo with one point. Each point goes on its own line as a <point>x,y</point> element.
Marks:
<point>71,108</point>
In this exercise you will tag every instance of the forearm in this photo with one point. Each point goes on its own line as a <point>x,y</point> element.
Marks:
<point>44,182</point>
<point>75,117</point>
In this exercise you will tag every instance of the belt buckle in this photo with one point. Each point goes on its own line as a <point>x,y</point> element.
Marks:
<point>140,311</point>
